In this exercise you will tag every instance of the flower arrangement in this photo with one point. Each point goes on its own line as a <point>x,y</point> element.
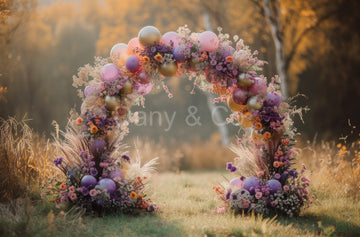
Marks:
<point>97,172</point>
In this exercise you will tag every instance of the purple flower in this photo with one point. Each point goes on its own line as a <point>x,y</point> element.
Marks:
<point>213,62</point>
<point>93,171</point>
<point>125,157</point>
<point>58,161</point>
<point>91,163</point>
<point>277,176</point>
<point>233,169</point>
<point>234,197</point>
<point>228,194</point>
<point>228,165</point>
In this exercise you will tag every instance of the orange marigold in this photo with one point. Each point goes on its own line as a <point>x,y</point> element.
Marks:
<point>267,135</point>
<point>146,59</point>
<point>158,57</point>
<point>63,186</point>
<point>79,120</point>
<point>94,129</point>
<point>133,195</point>
<point>229,59</point>
<point>258,126</point>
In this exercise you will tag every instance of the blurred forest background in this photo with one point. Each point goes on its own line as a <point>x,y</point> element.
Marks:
<point>43,43</point>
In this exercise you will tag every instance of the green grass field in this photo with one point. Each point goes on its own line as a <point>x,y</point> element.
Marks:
<point>186,209</point>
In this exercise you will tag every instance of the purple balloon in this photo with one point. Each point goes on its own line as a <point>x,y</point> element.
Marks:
<point>133,63</point>
<point>109,184</point>
<point>118,173</point>
<point>240,96</point>
<point>273,99</point>
<point>251,183</point>
<point>273,185</point>
<point>97,147</point>
<point>88,181</point>
<point>109,72</point>
<point>178,53</point>
<point>89,90</point>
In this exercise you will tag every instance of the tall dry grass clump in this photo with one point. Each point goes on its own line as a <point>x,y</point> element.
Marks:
<point>335,167</point>
<point>25,160</point>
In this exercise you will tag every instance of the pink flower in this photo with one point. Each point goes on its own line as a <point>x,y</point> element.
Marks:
<point>258,195</point>
<point>73,196</point>
<point>286,188</point>
<point>93,192</point>
<point>220,210</point>
<point>260,173</point>
<point>71,189</point>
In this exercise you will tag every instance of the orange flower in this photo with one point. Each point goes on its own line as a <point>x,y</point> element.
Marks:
<point>285,141</point>
<point>279,153</point>
<point>158,57</point>
<point>267,135</point>
<point>229,59</point>
<point>258,126</point>
<point>63,186</point>
<point>79,120</point>
<point>141,196</point>
<point>94,129</point>
<point>133,195</point>
<point>257,118</point>
<point>276,164</point>
<point>146,59</point>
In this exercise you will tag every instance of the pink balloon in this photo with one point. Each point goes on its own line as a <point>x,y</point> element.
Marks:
<point>237,182</point>
<point>259,86</point>
<point>109,72</point>
<point>208,41</point>
<point>133,46</point>
<point>169,37</point>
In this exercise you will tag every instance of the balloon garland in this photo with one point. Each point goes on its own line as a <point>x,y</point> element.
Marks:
<point>98,175</point>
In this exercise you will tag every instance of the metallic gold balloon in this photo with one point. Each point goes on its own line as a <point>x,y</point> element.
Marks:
<point>246,119</point>
<point>149,35</point>
<point>127,88</point>
<point>244,81</point>
<point>112,102</point>
<point>254,104</point>
<point>168,69</point>
<point>234,106</point>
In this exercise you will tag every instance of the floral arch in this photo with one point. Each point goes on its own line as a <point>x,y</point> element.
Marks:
<point>98,176</point>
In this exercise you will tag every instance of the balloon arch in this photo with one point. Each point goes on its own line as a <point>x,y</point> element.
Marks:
<point>98,176</point>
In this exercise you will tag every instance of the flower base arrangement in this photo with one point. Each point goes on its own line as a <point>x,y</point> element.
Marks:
<point>100,176</point>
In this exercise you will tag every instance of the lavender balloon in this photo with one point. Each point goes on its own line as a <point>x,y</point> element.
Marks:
<point>109,184</point>
<point>88,181</point>
<point>132,64</point>
<point>178,53</point>
<point>89,90</point>
<point>109,72</point>
<point>273,99</point>
<point>273,185</point>
<point>97,147</point>
<point>117,174</point>
<point>251,183</point>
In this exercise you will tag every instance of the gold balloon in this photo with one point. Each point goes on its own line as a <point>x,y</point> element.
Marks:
<point>234,106</point>
<point>149,35</point>
<point>127,88</point>
<point>168,69</point>
<point>246,119</point>
<point>112,102</point>
<point>254,104</point>
<point>242,80</point>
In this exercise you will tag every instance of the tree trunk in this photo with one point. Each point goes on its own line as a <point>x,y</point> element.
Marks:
<point>210,98</point>
<point>274,23</point>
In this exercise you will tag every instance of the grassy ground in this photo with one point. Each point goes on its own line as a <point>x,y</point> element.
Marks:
<point>186,209</point>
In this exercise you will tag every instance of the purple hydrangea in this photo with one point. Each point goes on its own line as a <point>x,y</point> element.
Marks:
<point>58,161</point>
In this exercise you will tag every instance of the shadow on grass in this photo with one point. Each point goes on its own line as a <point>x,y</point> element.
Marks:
<point>325,225</point>
<point>124,225</point>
